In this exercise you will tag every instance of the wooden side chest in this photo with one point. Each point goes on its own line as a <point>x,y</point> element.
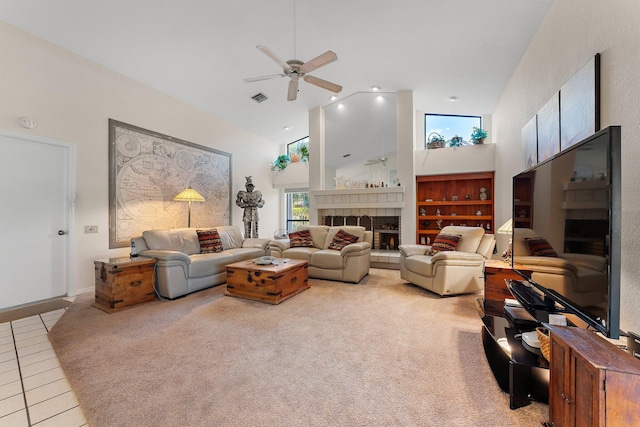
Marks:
<point>593,383</point>
<point>123,282</point>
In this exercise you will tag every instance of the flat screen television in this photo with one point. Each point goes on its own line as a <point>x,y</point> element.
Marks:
<point>569,206</point>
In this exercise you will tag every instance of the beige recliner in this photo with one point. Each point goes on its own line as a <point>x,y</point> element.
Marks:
<point>450,272</point>
<point>350,264</point>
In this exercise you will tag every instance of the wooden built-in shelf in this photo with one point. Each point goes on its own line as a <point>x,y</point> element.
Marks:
<point>440,189</point>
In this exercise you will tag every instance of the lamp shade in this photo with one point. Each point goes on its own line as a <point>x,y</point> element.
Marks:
<point>189,195</point>
<point>506,228</point>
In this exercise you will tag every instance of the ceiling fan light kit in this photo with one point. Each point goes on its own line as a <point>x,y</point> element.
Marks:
<point>296,69</point>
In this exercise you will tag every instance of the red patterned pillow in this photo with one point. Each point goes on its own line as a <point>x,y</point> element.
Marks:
<point>210,241</point>
<point>300,239</point>
<point>445,242</point>
<point>540,247</point>
<point>342,239</point>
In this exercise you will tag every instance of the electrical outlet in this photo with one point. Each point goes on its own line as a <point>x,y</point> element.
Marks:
<point>88,229</point>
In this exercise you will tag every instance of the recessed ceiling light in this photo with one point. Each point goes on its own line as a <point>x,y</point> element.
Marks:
<point>286,128</point>
<point>453,98</point>
<point>333,97</point>
<point>375,88</point>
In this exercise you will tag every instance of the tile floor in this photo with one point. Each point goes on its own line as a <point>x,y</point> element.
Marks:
<point>33,388</point>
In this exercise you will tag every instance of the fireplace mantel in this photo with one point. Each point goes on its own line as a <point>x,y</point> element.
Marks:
<point>358,198</point>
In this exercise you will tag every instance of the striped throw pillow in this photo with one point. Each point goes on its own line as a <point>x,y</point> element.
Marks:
<point>300,239</point>
<point>342,239</point>
<point>444,243</point>
<point>538,246</point>
<point>210,241</point>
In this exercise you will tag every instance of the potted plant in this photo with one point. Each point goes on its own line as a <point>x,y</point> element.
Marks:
<point>281,162</point>
<point>478,135</point>
<point>303,149</point>
<point>455,141</point>
<point>435,140</point>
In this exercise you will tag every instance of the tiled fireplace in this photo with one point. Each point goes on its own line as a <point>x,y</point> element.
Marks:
<point>375,209</point>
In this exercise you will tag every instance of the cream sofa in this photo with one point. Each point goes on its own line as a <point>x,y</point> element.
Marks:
<point>182,269</point>
<point>452,272</point>
<point>350,264</point>
<point>581,278</point>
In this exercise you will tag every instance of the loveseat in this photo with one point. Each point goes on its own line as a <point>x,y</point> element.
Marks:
<point>181,266</point>
<point>449,272</point>
<point>349,264</point>
<point>581,278</point>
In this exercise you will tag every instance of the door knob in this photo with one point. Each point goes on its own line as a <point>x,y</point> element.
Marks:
<point>61,232</point>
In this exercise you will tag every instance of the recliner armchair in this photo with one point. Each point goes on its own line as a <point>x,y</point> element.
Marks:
<point>449,272</point>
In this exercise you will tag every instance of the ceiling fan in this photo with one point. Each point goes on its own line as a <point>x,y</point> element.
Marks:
<point>381,159</point>
<point>296,69</point>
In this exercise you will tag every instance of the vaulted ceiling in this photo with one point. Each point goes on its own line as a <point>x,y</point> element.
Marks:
<point>200,50</point>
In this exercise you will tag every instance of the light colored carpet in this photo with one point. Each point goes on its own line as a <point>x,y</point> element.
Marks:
<point>379,353</point>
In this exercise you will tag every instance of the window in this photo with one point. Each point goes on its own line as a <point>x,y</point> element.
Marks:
<point>299,147</point>
<point>297,203</point>
<point>297,210</point>
<point>443,130</point>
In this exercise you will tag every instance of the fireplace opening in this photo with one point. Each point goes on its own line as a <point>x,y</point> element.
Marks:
<point>386,229</point>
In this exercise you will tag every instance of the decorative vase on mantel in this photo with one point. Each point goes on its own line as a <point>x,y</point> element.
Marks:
<point>479,141</point>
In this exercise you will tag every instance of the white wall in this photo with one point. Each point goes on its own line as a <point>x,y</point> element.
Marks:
<point>572,32</point>
<point>72,99</point>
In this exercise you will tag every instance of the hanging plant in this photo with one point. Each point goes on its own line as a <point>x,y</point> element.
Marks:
<point>281,162</point>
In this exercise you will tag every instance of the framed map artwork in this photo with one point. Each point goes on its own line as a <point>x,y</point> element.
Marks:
<point>146,171</point>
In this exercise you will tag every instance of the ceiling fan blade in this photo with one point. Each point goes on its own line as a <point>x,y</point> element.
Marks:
<point>275,57</point>
<point>323,84</point>
<point>319,61</point>
<point>293,90</point>
<point>257,79</point>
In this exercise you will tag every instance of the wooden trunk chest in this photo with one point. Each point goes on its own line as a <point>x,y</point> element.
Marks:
<point>123,282</point>
<point>267,283</point>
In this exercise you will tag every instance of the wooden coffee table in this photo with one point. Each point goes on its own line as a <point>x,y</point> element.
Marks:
<point>271,283</point>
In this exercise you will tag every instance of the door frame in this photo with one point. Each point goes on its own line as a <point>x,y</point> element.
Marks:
<point>70,168</point>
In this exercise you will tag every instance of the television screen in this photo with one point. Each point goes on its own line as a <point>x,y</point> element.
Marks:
<point>566,229</point>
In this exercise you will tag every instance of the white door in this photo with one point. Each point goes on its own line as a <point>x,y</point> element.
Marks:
<point>35,216</point>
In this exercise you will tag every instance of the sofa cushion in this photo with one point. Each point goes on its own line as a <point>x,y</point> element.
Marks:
<point>299,253</point>
<point>538,246</point>
<point>300,239</point>
<point>342,239</point>
<point>209,241</point>
<point>318,234</point>
<point>231,236</point>
<point>203,265</point>
<point>327,259</point>
<point>243,254</point>
<point>183,240</point>
<point>471,237</point>
<point>419,264</point>
<point>444,242</point>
